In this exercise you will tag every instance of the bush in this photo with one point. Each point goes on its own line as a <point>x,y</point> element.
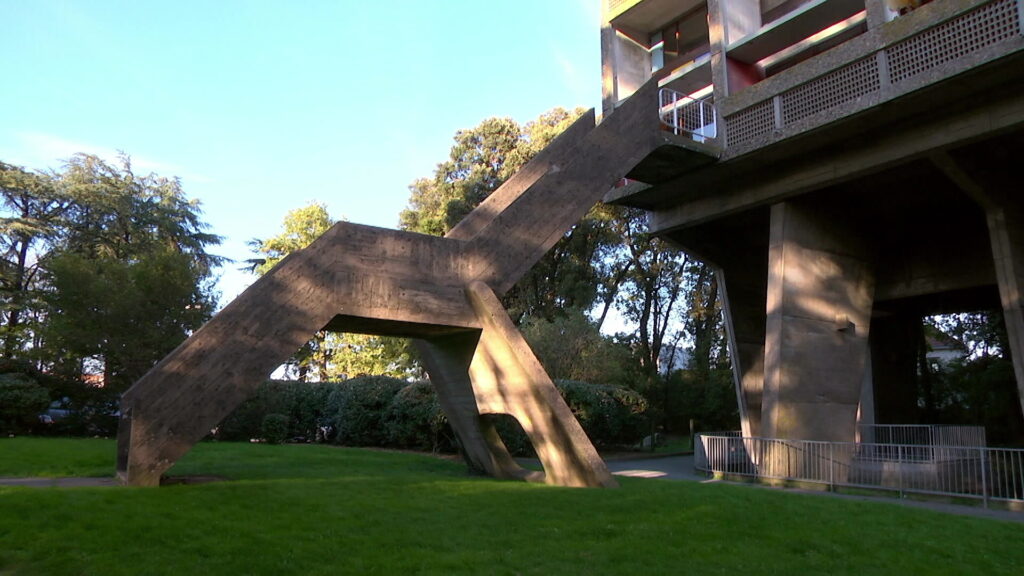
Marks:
<point>415,420</point>
<point>357,409</point>
<point>21,402</point>
<point>610,415</point>
<point>304,405</point>
<point>274,428</point>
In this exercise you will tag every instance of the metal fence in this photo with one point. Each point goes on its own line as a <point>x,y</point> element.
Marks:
<point>961,471</point>
<point>922,434</point>
<point>691,117</point>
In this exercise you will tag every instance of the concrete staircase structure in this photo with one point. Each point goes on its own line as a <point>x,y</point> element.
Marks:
<point>442,291</point>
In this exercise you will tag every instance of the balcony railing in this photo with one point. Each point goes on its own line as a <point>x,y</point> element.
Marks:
<point>687,116</point>
<point>866,77</point>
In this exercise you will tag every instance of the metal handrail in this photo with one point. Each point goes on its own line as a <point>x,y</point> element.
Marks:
<point>683,115</point>
<point>959,471</point>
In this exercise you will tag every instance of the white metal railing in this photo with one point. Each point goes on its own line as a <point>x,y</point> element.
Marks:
<point>693,117</point>
<point>922,434</point>
<point>960,471</point>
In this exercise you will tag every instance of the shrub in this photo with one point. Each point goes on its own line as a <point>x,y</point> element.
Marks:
<point>610,415</point>
<point>357,409</point>
<point>415,420</point>
<point>274,428</point>
<point>21,402</point>
<point>304,405</point>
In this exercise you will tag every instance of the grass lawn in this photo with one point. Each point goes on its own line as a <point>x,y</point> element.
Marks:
<point>323,510</point>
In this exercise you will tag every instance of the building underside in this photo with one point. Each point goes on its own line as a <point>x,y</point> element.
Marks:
<point>851,215</point>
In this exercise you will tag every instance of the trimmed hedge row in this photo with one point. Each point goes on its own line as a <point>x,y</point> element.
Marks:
<point>387,412</point>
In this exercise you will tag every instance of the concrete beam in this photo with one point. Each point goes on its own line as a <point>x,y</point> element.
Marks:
<point>732,187</point>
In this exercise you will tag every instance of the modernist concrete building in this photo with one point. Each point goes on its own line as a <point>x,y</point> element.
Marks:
<point>848,167</point>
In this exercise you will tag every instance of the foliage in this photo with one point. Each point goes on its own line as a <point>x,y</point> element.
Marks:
<point>274,428</point>
<point>104,270</point>
<point>32,209</point>
<point>610,415</point>
<point>481,159</point>
<point>355,355</point>
<point>571,347</point>
<point>651,290</point>
<point>21,402</point>
<point>358,407</point>
<point>301,227</point>
<point>414,420</point>
<point>982,391</point>
<point>706,397</point>
<point>128,313</point>
<point>304,405</point>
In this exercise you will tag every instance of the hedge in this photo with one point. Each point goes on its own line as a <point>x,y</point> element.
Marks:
<point>388,412</point>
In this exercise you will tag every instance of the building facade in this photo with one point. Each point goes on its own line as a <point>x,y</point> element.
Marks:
<point>848,166</point>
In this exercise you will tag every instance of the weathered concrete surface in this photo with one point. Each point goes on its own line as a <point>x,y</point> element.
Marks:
<point>820,292</point>
<point>441,290</point>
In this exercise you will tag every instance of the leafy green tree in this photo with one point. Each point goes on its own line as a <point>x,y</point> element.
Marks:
<point>301,227</point>
<point>21,401</point>
<point>129,276</point>
<point>329,355</point>
<point>32,211</point>
<point>571,347</point>
<point>652,292</point>
<point>123,315</point>
<point>480,160</point>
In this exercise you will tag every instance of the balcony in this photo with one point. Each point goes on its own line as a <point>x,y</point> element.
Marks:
<point>945,56</point>
<point>926,47</point>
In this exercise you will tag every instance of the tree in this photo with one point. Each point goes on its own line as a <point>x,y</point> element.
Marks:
<point>651,290</point>
<point>31,213</point>
<point>571,347</point>
<point>480,160</point>
<point>128,275</point>
<point>301,227</point>
<point>328,355</point>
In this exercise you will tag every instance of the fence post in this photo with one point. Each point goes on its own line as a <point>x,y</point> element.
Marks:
<point>831,467</point>
<point>984,476</point>
<point>899,468</point>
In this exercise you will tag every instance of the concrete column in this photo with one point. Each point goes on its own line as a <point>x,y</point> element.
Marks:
<point>1006,230</point>
<point>820,294</point>
<point>741,280</point>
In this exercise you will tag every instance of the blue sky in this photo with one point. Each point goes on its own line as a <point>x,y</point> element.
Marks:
<point>261,107</point>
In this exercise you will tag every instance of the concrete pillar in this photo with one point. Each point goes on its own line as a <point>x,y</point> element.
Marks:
<point>741,280</point>
<point>1006,231</point>
<point>820,294</point>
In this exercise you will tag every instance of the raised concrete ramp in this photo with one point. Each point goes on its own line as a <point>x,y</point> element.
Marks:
<point>442,291</point>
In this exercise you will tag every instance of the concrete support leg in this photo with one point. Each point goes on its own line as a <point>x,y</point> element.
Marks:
<point>508,379</point>
<point>742,284</point>
<point>820,294</point>
<point>1006,230</point>
<point>447,360</point>
<point>495,372</point>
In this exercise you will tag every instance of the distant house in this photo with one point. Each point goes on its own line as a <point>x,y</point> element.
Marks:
<point>943,349</point>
